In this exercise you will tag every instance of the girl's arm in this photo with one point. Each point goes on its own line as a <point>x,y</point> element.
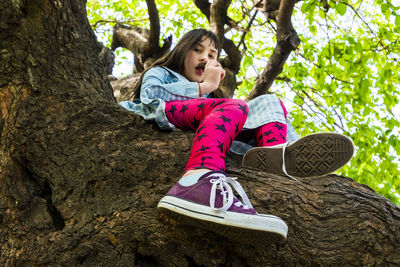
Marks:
<point>159,83</point>
<point>213,75</point>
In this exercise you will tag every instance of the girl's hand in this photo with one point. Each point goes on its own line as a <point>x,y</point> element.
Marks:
<point>213,75</point>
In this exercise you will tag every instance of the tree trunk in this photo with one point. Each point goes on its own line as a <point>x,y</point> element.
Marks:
<point>80,177</point>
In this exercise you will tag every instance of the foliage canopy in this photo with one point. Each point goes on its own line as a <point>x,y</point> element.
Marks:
<point>345,76</point>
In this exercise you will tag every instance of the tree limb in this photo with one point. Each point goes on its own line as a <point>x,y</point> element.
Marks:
<point>218,14</point>
<point>154,35</point>
<point>287,40</point>
<point>232,61</point>
<point>143,43</point>
<point>133,38</point>
<point>204,7</point>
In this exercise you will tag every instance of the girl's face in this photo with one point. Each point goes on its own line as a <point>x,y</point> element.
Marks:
<point>204,52</point>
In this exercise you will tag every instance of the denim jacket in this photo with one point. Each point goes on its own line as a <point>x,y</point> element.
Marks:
<point>161,84</point>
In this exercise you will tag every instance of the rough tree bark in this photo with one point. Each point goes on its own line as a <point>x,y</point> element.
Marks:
<point>80,177</point>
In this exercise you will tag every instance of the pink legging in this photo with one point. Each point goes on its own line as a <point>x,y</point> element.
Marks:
<point>217,122</point>
<point>273,133</point>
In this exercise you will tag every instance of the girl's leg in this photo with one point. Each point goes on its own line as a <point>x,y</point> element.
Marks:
<point>216,122</point>
<point>313,155</point>
<point>210,197</point>
<point>273,133</point>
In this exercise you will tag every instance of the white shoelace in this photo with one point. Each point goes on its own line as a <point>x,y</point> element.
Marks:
<point>224,184</point>
<point>283,162</point>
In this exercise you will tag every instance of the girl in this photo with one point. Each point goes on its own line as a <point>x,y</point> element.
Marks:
<point>175,93</point>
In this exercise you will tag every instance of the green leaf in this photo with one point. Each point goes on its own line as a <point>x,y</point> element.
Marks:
<point>313,29</point>
<point>341,9</point>
<point>397,21</point>
<point>247,62</point>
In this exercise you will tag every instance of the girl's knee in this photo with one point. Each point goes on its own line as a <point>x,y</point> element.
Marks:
<point>237,106</point>
<point>242,105</point>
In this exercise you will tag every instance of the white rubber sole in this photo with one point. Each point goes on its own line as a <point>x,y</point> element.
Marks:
<point>245,228</point>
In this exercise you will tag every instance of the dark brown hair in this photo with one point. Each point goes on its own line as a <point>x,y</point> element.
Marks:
<point>175,59</point>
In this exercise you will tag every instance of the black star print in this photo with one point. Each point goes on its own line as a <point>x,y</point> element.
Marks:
<point>283,137</point>
<point>201,128</point>
<point>220,110</point>
<point>243,108</point>
<point>221,146</point>
<point>204,158</point>
<point>196,122</point>
<point>225,119</point>
<point>201,137</point>
<point>217,104</point>
<point>212,104</point>
<point>221,127</point>
<point>260,137</point>
<point>200,107</point>
<point>203,148</point>
<point>280,128</point>
<point>268,133</point>
<point>172,109</point>
<point>273,139</point>
<point>184,108</point>
<point>237,129</point>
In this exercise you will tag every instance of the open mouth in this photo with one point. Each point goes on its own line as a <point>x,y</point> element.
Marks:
<point>201,66</point>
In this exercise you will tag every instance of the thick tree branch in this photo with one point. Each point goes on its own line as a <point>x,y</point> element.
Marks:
<point>284,23</point>
<point>218,14</point>
<point>143,43</point>
<point>287,41</point>
<point>204,7</point>
<point>135,39</point>
<point>232,61</point>
<point>154,35</point>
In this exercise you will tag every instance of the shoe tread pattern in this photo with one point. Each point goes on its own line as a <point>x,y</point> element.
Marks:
<point>321,154</point>
<point>261,160</point>
<point>244,236</point>
<point>313,155</point>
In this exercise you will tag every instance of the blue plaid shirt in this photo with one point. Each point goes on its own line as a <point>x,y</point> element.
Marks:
<point>161,84</point>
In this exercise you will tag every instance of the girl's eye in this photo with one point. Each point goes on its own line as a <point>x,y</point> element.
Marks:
<point>211,56</point>
<point>196,50</point>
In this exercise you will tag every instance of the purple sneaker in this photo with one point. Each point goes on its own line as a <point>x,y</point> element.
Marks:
<point>210,204</point>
